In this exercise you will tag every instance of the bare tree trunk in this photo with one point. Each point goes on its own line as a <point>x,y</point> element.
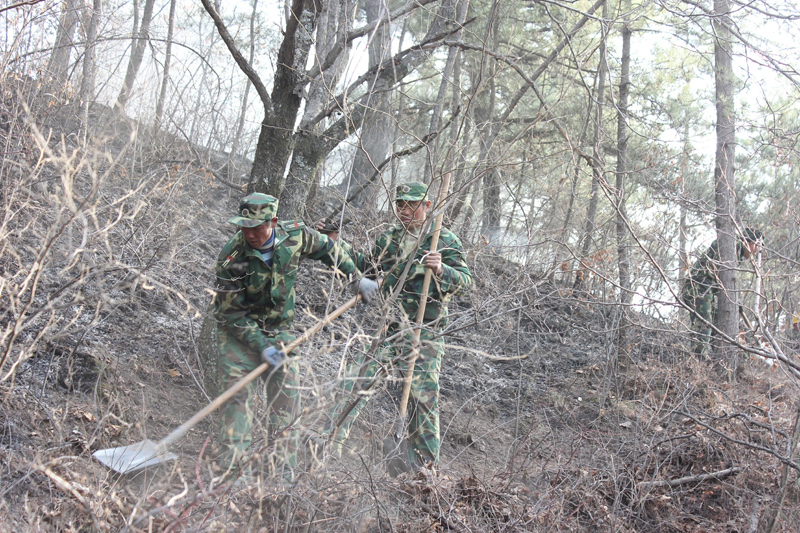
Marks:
<point>335,22</point>
<point>683,254</point>
<point>483,115</point>
<point>573,187</point>
<point>373,141</point>
<point>623,251</point>
<point>622,163</point>
<point>202,86</point>
<point>310,150</point>
<point>511,106</point>
<point>447,74</point>
<point>162,94</point>
<point>398,113</point>
<point>137,54</point>
<point>515,196</point>
<point>457,161</point>
<point>87,83</point>
<point>597,154</point>
<point>727,319</point>
<point>275,139</point>
<point>461,185</point>
<point>490,219</point>
<point>58,65</point>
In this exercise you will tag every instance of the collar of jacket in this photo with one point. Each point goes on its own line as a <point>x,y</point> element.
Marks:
<point>280,236</point>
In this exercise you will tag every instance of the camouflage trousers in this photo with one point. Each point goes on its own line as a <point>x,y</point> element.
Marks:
<point>283,404</point>
<point>423,409</point>
<point>703,305</point>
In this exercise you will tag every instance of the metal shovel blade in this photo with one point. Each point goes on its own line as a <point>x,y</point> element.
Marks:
<point>395,451</point>
<point>134,457</point>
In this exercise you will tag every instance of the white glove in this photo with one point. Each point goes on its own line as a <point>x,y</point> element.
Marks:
<point>272,356</point>
<point>367,288</point>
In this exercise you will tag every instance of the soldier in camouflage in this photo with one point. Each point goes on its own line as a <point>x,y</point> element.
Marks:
<point>702,286</point>
<point>409,240</point>
<point>254,309</point>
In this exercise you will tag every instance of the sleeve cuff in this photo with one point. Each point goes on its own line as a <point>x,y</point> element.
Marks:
<point>446,278</point>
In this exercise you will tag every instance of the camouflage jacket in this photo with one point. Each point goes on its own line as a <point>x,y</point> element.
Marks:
<point>704,275</point>
<point>386,256</point>
<point>253,298</point>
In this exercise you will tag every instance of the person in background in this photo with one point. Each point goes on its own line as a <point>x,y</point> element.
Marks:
<point>702,286</point>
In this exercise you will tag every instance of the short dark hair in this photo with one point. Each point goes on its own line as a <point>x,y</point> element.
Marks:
<point>752,235</point>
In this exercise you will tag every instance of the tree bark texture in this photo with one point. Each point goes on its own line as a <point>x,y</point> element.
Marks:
<point>373,142</point>
<point>727,318</point>
<point>162,94</point>
<point>58,65</point>
<point>490,220</point>
<point>462,181</point>
<point>447,80</point>
<point>137,54</point>
<point>312,147</point>
<point>623,251</point>
<point>277,145</point>
<point>87,84</point>
<point>275,140</point>
<point>334,25</point>
<point>683,254</point>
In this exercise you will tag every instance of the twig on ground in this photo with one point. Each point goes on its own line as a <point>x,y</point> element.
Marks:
<point>699,478</point>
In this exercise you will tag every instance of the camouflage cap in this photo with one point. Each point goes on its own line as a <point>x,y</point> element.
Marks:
<point>412,191</point>
<point>255,209</point>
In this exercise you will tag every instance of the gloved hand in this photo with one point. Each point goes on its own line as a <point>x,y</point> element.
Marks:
<point>273,356</point>
<point>367,288</point>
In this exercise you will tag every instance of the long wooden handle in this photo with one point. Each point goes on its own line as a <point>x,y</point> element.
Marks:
<point>426,283</point>
<point>239,385</point>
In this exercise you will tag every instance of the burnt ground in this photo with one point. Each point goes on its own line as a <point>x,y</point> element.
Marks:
<point>545,426</point>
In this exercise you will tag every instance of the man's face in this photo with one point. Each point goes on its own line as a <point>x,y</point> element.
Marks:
<point>258,236</point>
<point>412,214</point>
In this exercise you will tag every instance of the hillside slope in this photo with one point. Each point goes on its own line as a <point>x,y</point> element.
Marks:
<point>544,426</point>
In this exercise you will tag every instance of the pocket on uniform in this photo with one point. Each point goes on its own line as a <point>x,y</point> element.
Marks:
<point>290,274</point>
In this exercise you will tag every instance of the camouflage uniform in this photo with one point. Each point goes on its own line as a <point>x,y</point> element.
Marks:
<point>699,291</point>
<point>390,254</point>
<point>254,307</point>
<point>702,287</point>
